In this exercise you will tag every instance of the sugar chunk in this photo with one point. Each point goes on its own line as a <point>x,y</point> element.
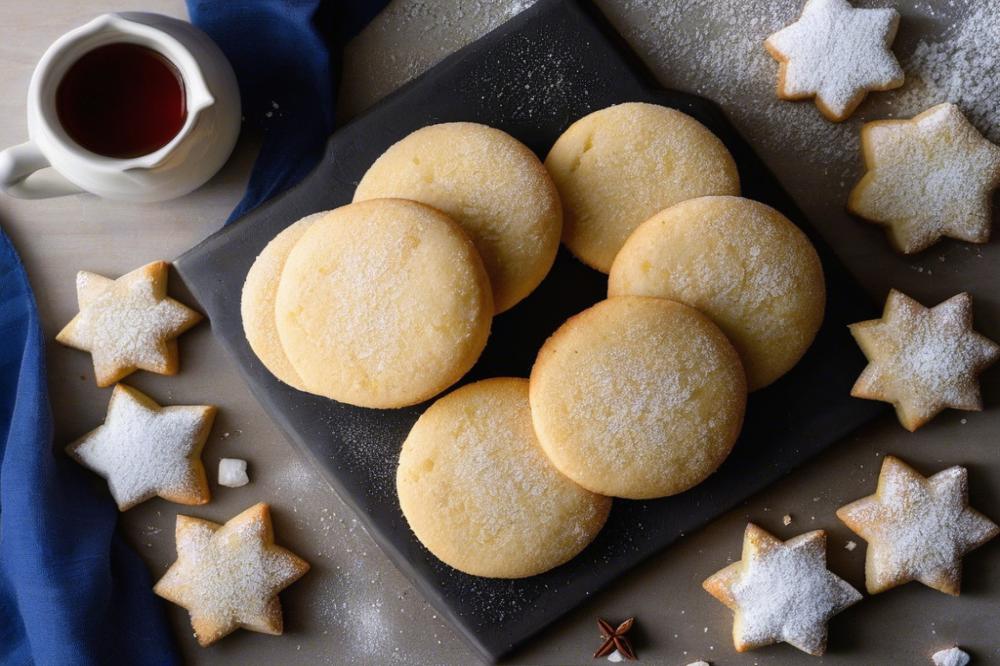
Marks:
<point>233,472</point>
<point>951,657</point>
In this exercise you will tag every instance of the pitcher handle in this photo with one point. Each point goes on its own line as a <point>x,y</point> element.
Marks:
<point>25,173</point>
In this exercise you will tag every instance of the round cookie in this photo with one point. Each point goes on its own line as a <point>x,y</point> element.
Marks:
<point>260,289</point>
<point>383,303</point>
<point>488,182</point>
<point>637,397</point>
<point>740,262</point>
<point>616,167</point>
<point>479,493</point>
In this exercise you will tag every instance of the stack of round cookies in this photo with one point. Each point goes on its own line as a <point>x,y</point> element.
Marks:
<point>387,301</point>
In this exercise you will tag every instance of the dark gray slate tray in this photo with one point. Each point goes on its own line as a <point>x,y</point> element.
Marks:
<point>531,77</point>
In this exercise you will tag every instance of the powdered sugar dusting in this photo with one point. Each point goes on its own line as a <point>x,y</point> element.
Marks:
<point>917,528</point>
<point>636,395</point>
<point>785,592</point>
<point>924,358</point>
<point>126,326</point>
<point>960,65</point>
<point>412,35</point>
<point>228,575</point>
<point>143,451</point>
<point>233,577</point>
<point>478,491</point>
<point>837,53</point>
<point>928,178</point>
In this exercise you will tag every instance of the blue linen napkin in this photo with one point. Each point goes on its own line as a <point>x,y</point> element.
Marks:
<point>72,591</point>
<point>287,57</point>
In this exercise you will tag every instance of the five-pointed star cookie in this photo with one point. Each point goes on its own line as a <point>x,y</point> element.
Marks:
<point>128,324</point>
<point>917,528</point>
<point>228,576</point>
<point>927,177</point>
<point>836,53</point>
<point>923,360</point>
<point>144,450</point>
<point>781,591</point>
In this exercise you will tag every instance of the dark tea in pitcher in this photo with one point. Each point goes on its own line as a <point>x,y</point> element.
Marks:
<point>121,100</point>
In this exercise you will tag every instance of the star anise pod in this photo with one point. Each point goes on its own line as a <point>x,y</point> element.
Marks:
<point>615,639</point>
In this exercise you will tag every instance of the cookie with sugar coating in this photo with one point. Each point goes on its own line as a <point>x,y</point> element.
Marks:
<point>260,290</point>
<point>927,177</point>
<point>228,576</point>
<point>383,303</point>
<point>923,360</point>
<point>479,493</point>
<point>836,53</point>
<point>781,591</point>
<point>917,527</point>
<point>492,185</point>
<point>638,397</point>
<point>616,167</point>
<point>128,324</point>
<point>740,262</point>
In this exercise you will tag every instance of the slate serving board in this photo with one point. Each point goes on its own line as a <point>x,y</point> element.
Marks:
<point>532,77</point>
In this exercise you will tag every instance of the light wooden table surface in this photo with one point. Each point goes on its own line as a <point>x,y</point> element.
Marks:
<point>354,607</point>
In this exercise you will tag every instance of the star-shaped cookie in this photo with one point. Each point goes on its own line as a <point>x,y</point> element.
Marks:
<point>144,450</point>
<point>837,54</point>
<point>781,591</point>
<point>128,324</point>
<point>917,528</point>
<point>923,360</point>
<point>228,576</point>
<point>927,177</point>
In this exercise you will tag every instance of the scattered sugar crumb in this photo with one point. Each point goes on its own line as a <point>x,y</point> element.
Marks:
<point>953,656</point>
<point>615,656</point>
<point>850,545</point>
<point>233,472</point>
<point>787,519</point>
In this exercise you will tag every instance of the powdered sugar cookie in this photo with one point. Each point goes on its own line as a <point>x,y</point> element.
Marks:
<point>144,450</point>
<point>260,290</point>
<point>229,576</point>
<point>781,591</point>
<point>479,493</point>
<point>744,264</point>
<point>927,177</point>
<point>917,528</point>
<point>383,303</point>
<point>488,182</point>
<point>616,167</point>
<point>923,360</point>
<point>128,324</point>
<point>837,54</point>
<point>637,397</point>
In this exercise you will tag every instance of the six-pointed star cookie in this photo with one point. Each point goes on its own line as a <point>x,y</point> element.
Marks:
<point>923,360</point>
<point>917,528</point>
<point>781,591</point>
<point>144,450</point>
<point>128,324</point>
<point>228,576</point>
<point>836,53</point>
<point>927,177</point>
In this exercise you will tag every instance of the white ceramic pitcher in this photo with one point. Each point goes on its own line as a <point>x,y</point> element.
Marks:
<point>51,164</point>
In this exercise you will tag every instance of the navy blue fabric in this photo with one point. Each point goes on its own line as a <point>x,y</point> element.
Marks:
<point>287,57</point>
<point>71,590</point>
